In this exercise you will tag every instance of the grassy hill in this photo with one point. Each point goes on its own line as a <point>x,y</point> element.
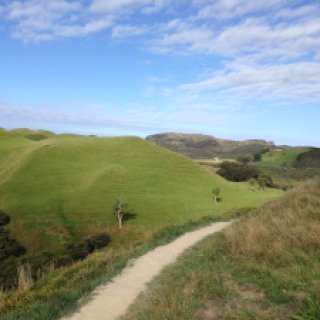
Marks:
<point>289,166</point>
<point>266,266</point>
<point>281,157</point>
<point>198,146</point>
<point>64,187</point>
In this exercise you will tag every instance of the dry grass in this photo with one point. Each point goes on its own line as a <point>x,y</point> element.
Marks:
<point>282,230</point>
<point>25,280</point>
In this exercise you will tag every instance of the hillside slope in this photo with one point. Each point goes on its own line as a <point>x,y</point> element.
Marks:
<point>200,146</point>
<point>309,159</point>
<point>266,266</point>
<point>65,186</point>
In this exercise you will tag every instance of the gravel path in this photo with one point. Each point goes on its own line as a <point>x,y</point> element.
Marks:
<point>112,300</point>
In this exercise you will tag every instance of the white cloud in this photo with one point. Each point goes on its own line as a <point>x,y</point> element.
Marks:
<point>233,8</point>
<point>124,31</point>
<point>114,5</point>
<point>289,81</point>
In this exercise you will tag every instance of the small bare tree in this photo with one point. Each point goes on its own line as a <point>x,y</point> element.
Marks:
<point>119,211</point>
<point>216,192</point>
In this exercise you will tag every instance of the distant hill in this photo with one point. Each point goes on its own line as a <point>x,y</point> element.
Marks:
<point>200,146</point>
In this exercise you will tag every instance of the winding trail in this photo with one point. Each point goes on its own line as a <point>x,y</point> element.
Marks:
<point>112,300</point>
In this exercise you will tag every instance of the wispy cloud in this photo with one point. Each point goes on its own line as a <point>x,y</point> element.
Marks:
<point>286,81</point>
<point>125,31</point>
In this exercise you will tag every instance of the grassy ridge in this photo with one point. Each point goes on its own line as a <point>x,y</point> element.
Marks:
<point>65,186</point>
<point>266,266</point>
<point>281,157</point>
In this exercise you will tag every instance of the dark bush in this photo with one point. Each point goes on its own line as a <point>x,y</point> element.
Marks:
<point>4,219</point>
<point>237,172</point>
<point>98,241</point>
<point>258,155</point>
<point>35,137</point>
<point>309,159</point>
<point>78,251</point>
<point>245,159</point>
<point>9,247</point>
<point>82,249</point>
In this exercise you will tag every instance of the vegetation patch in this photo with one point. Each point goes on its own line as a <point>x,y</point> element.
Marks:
<point>309,159</point>
<point>35,137</point>
<point>57,292</point>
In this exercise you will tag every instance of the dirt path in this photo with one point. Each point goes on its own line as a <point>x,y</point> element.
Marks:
<point>112,300</point>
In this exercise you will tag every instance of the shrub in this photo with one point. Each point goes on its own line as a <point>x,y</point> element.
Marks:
<point>309,159</point>
<point>82,249</point>
<point>237,172</point>
<point>35,137</point>
<point>4,219</point>
<point>98,241</point>
<point>9,246</point>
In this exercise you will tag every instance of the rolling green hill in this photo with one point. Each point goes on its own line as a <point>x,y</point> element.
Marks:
<point>65,186</point>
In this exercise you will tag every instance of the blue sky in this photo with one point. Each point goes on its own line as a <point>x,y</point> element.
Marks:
<point>230,68</point>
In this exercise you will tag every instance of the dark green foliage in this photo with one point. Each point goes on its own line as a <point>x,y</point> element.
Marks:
<point>10,250</point>
<point>4,218</point>
<point>35,137</point>
<point>245,159</point>
<point>9,246</point>
<point>237,172</point>
<point>82,249</point>
<point>98,241</point>
<point>265,181</point>
<point>309,159</point>
<point>258,155</point>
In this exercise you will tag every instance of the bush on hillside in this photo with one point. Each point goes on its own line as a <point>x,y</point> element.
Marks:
<point>4,218</point>
<point>245,159</point>
<point>309,159</point>
<point>237,172</point>
<point>35,136</point>
<point>8,246</point>
<point>82,249</point>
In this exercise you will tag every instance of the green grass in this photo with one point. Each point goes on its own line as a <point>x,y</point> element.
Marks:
<point>281,157</point>
<point>59,291</point>
<point>69,182</point>
<point>266,266</point>
<point>279,164</point>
